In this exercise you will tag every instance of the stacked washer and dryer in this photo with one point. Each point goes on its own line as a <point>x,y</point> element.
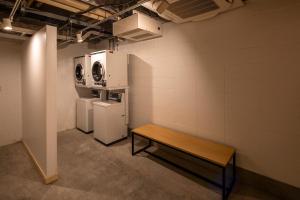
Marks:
<point>84,106</point>
<point>107,116</point>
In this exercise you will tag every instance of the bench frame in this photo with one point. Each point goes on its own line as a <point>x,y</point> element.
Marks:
<point>225,190</point>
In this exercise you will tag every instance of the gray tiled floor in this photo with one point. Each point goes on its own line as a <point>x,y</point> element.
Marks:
<point>89,170</point>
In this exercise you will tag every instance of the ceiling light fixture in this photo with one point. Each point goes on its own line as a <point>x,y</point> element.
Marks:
<point>79,37</point>
<point>7,24</point>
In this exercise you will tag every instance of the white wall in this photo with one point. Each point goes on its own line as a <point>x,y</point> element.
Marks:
<point>10,92</point>
<point>39,68</point>
<point>233,79</point>
<point>66,91</point>
<point>51,101</point>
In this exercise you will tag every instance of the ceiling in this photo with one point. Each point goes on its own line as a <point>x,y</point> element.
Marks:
<point>69,16</point>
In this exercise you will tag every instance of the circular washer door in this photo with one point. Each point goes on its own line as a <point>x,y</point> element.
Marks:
<point>97,71</point>
<point>79,72</point>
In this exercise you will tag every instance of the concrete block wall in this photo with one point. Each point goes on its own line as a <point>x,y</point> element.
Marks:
<point>10,92</point>
<point>232,79</point>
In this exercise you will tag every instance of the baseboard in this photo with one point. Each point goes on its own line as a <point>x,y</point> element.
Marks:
<point>84,131</point>
<point>129,132</point>
<point>50,179</point>
<point>275,187</point>
<point>46,179</point>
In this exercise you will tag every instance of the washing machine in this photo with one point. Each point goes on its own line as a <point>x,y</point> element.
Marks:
<point>84,114</point>
<point>82,71</point>
<point>109,69</point>
<point>110,121</point>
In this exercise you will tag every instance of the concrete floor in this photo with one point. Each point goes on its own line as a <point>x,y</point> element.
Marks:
<point>89,170</point>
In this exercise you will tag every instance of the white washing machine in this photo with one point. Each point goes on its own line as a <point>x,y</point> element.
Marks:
<point>84,114</point>
<point>82,71</point>
<point>109,122</point>
<point>109,69</point>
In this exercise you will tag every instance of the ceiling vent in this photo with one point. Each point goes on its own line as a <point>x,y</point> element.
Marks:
<point>137,27</point>
<point>180,11</point>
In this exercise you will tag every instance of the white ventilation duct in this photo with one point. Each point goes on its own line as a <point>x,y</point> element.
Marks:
<point>180,11</point>
<point>137,27</point>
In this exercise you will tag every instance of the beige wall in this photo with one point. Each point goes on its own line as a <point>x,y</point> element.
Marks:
<point>10,92</point>
<point>51,101</point>
<point>233,79</point>
<point>39,67</point>
<point>66,91</point>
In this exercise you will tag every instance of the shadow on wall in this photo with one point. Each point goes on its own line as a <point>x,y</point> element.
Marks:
<point>140,93</point>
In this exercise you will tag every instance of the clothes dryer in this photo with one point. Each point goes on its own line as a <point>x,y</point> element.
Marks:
<point>82,71</point>
<point>109,69</point>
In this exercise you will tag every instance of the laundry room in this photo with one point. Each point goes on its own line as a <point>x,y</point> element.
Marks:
<point>149,99</point>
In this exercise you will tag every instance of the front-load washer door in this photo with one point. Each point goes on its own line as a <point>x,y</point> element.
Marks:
<point>98,72</point>
<point>79,72</point>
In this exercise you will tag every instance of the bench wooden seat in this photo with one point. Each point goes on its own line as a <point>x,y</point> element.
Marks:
<point>217,153</point>
<point>211,152</point>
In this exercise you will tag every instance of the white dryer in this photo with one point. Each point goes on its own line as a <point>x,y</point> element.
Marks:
<point>84,114</point>
<point>82,71</point>
<point>109,69</point>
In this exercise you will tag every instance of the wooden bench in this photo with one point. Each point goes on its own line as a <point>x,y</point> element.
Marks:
<point>214,153</point>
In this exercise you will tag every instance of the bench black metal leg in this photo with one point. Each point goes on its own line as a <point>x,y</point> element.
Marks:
<point>224,183</point>
<point>142,149</point>
<point>132,144</point>
<point>226,191</point>
<point>234,168</point>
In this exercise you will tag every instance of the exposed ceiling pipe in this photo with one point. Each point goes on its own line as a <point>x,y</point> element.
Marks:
<point>69,8</point>
<point>64,43</point>
<point>14,9</point>
<point>11,36</point>
<point>94,5</point>
<point>98,36</point>
<point>29,3</point>
<point>55,16</point>
<point>75,7</point>
<point>27,31</point>
<point>115,15</point>
<point>88,10</point>
<point>7,21</point>
<point>83,6</point>
<point>88,34</point>
<point>48,14</point>
<point>82,38</point>
<point>64,37</point>
<point>106,4</point>
<point>22,30</point>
